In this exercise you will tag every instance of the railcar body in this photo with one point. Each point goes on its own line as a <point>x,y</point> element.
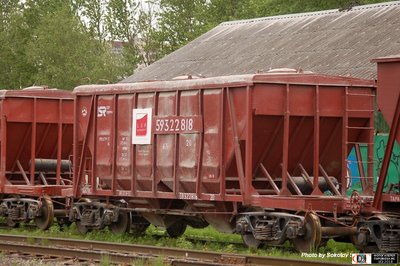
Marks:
<point>264,155</point>
<point>36,134</point>
<point>388,100</point>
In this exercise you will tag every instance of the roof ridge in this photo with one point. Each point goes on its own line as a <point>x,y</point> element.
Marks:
<point>311,14</point>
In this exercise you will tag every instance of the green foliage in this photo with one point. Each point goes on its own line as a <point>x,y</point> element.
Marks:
<point>45,42</point>
<point>139,262</point>
<point>224,10</point>
<point>120,19</point>
<point>215,241</point>
<point>30,240</point>
<point>64,54</point>
<point>180,22</point>
<point>7,9</point>
<point>15,69</point>
<point>151,44</point>
<point>183,243</point>
<point>105,260</point>
<point>159,261</point>
<point>92,14</point>
<point>66,43</point>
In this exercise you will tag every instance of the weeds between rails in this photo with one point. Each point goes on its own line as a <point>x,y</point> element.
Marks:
<point>197,239</point>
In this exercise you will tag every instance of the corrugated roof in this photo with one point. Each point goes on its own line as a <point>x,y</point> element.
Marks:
<point>330,42</point>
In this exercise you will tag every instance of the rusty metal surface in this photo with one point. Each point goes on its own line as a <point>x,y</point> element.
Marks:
<point>388,86</point>
<point>126,253</point>
<point>38,91</point>
<point>219,139</point>
<point>330,42</point>
<point>389,104</point>
<point>36,123</point>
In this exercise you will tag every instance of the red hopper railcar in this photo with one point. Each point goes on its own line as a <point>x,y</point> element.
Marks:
<point>36,134</point>
<point>264,155</point>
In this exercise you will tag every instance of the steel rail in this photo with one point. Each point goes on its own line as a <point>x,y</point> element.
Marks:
<point>128,253</point>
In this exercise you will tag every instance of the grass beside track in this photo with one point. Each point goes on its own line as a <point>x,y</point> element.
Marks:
<point>219,242</point>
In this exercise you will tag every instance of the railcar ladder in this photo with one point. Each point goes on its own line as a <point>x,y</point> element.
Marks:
<point>365,178</point>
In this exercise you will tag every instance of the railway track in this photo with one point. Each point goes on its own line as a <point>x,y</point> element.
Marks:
<point>95,251</point>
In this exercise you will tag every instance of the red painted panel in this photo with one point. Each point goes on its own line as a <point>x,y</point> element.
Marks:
<point>269,99</point>
<point>124,156</point>
<point>104,142</point>
<point>388,87</point>
<point>144,153</point>
<point>165,144</point>
<point>301,101</point>
<point>189,143</point>
<point>210,169</point>
<point>331,101</point>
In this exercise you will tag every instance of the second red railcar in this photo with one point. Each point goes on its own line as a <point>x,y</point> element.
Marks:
<point>36,130</point>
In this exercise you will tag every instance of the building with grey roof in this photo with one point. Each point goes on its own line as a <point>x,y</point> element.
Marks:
<point>330,42</point>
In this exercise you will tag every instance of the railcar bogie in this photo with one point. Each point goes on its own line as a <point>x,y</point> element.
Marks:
<point>270,228</point>
<point>42,210</point>
<point>95,215</point>
<point>18,210</point>
<point>379,232</point>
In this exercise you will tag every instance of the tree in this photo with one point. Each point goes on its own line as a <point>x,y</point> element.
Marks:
<point>226,10</point>
<point>93,14</point>
<point>15,69</point>
<point>65,54</point>
<point>149,45</point>
<point>121,25</point>
<point>7,9</point>
<point>180,22</point>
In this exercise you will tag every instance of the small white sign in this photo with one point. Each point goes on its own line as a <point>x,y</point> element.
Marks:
<point>141,126</point>
<point>84,111</point>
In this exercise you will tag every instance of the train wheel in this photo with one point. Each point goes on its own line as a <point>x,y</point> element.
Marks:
<point>311,239</point>
<point>122,224</point>
<point>176,229</point>
<point>45,220</point>
<point>250,241</point>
